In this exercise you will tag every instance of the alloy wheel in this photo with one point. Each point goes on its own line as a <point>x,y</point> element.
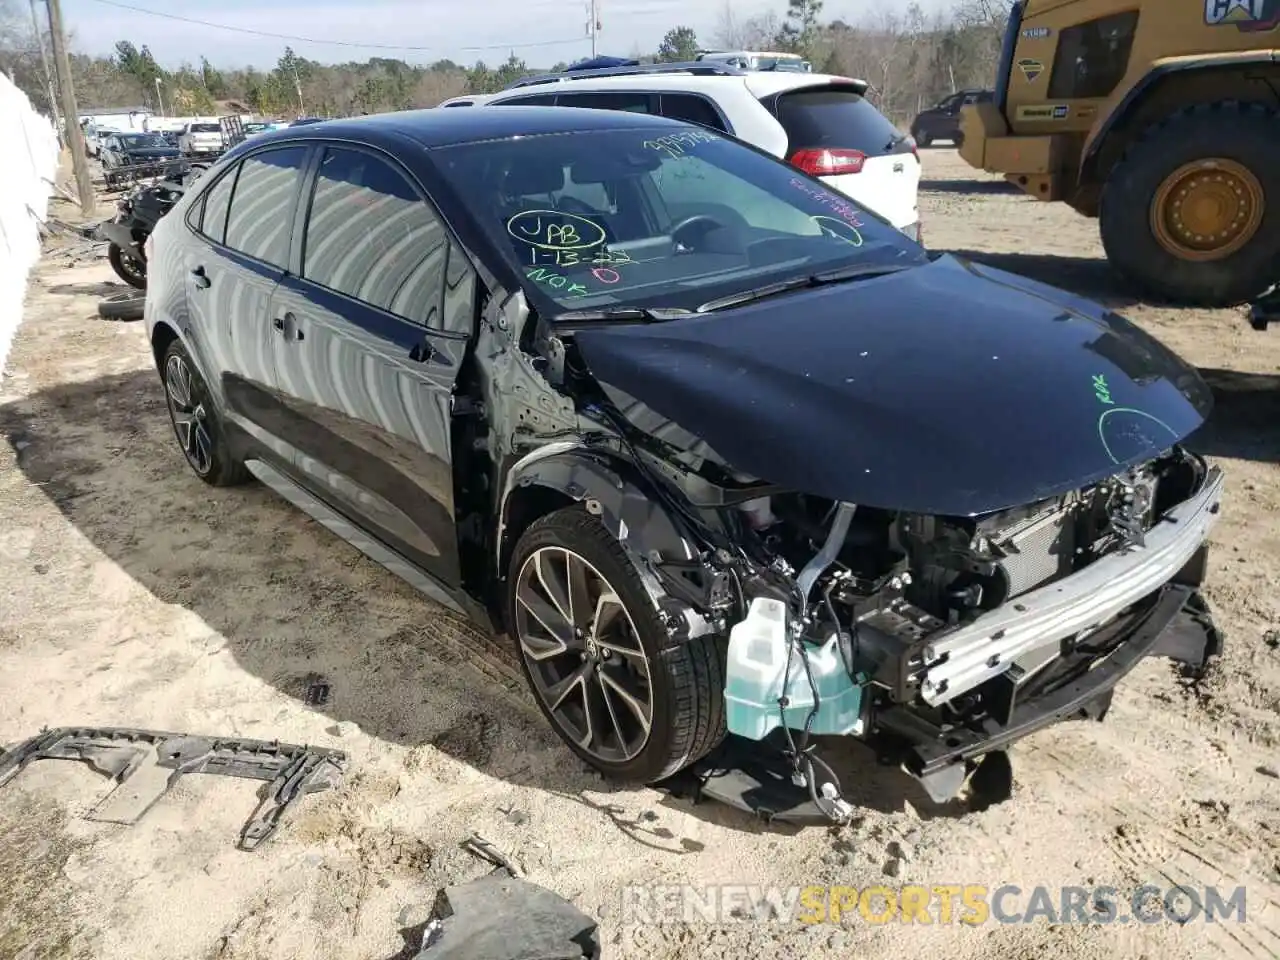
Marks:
<point>583,654</point>
<point>190,416</point>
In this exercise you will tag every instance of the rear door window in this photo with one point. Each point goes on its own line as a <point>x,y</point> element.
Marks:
<point>839,119</point>
<point>261,216</point>
<point>630,102</point>
<point>533,100</point>
<point>693,109</point>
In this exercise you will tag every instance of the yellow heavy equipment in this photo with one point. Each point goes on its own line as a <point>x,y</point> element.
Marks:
<point>1159,117</point>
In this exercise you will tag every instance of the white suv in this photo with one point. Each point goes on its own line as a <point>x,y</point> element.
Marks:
<point>819,123</point>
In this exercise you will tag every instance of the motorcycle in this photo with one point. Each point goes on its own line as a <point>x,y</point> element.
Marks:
<point>136,216</point>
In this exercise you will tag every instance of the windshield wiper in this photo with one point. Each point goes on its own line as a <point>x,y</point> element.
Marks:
<point>859,272</point>
<point>650,314</point>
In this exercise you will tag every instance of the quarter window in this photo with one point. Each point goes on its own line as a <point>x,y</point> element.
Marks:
<point>216,203</point>
<point>684,106</point>
<point>260,220</point>
<point>371,236</point>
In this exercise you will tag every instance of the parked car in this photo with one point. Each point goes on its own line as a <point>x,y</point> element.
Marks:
<point>615,384</point>
<point>93,137</point>
<point>136,154</point>
<point>202,137</point>
<point>305,121</point>
<point>942,120</point>
<point>467,100</point>
<point>821,124</point>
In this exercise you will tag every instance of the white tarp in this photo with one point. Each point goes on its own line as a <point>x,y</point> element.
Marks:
<point>28,165</point>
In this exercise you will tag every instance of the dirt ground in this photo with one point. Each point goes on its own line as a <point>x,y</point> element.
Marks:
<point>136,596</point>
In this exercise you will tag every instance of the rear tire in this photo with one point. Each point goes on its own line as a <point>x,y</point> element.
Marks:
<point>1191,213</point>
<point>924,139</point>
<point>128,269</point>
<point>196,424</point>
<point>685,679</point>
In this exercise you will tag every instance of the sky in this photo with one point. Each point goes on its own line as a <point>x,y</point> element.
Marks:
<point>539,31</point>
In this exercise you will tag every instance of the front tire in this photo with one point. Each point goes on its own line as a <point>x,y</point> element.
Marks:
<point>924,139</point>
<point>196,424</point>
<point>627,699</point>
<point>1191,213</point>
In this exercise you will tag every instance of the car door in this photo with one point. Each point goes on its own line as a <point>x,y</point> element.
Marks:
<point>244,222</point>
<point>370,337</point>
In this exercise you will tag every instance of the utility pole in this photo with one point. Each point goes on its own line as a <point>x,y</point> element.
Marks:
<point>159,97</point>
<point>593,24</point>
<point>297,85</point>
<point>48,73</point>
<point>70,113</point>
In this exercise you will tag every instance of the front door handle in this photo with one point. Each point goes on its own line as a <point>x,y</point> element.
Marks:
<point>424,352</point>
<point>201,278</point>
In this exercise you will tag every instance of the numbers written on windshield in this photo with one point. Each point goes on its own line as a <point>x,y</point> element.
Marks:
<point>675,144</point>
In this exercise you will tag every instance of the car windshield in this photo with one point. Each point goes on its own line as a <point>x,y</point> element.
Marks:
<point>660,218</point>
<point>131,141</point>
<point>205,128</point>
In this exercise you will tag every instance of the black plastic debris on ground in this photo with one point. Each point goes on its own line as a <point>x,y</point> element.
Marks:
<point>501,917</point>
<point>146,764</point>
<point>318,690</point>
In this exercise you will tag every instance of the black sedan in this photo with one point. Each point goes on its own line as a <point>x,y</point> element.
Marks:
<point>137,154</point>
<point>722,451</point>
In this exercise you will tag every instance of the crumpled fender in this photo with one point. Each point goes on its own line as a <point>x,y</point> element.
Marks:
<point>613,490</point>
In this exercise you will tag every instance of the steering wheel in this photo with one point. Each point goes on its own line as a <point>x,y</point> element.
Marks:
<point>699,225</point>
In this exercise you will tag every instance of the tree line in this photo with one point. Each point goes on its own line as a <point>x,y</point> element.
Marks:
<point>910,58</point>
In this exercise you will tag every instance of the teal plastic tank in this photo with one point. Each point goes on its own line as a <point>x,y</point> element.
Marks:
<point>756,675</point>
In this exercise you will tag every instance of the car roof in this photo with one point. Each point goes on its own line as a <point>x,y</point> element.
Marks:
<point>433,127</point>
<point>760,83</point>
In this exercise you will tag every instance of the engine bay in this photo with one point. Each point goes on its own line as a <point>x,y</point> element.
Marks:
<point>886,583</point>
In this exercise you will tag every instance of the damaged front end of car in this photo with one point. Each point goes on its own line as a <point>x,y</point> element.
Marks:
<point>934,584</point>
<point>960,635</point>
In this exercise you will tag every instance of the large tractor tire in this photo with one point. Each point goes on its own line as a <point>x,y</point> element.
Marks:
<point>1191,213</point>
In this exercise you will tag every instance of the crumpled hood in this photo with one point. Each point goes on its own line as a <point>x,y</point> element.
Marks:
<point>949,389</point>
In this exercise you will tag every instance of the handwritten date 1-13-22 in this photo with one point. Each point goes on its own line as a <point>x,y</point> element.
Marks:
<point>602,257</point>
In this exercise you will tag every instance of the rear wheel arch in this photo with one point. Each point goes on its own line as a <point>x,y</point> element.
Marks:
<point>161,336</point>
<point>1169,90</point>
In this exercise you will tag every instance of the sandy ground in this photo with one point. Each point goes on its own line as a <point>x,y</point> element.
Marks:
<point>134,595</point>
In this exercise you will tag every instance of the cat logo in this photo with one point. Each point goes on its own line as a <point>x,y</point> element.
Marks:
<point>1246,15</point>
<point>1031,69</point>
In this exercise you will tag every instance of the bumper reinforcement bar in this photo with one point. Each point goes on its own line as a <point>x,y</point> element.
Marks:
<point>978,651</point>
<point>1175,625</point>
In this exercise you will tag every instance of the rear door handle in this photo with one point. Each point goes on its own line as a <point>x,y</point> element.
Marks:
<point>288,325</point>
<point>201,278</point>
